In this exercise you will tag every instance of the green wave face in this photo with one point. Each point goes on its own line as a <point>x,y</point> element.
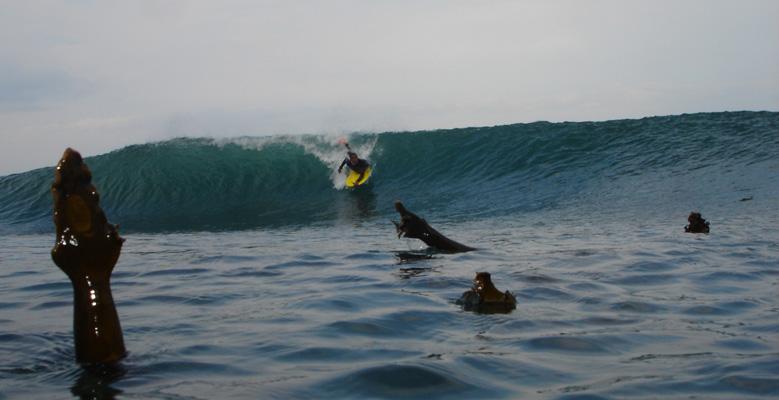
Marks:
<point>650,165</point>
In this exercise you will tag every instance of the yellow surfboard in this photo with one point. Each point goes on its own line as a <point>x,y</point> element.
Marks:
<point>351,180</point>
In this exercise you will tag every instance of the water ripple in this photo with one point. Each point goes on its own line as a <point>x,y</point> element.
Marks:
<point>570,344</point>
<point>407,381</point>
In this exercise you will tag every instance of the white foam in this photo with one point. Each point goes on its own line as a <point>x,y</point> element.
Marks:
<point>324,147</point>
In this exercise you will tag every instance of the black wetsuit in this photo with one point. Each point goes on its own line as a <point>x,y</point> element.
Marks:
<point>360,168</point>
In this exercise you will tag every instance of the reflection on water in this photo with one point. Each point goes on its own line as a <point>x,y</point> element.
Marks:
<point>364,201</point>
<point>405,257</point>
<point>95,382</point>
<point>408,273</point>
<point>356,204</point>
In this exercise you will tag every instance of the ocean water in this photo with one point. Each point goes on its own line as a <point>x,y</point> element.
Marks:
<point>249,272</point>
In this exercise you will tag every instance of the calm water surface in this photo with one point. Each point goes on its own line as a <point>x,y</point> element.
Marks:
<point>606,311</point>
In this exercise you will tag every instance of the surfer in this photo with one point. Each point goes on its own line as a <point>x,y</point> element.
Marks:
<point>355,164</point>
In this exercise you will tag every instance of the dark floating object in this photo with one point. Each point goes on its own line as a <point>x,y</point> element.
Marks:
<point>411,226</point>
<point>86,249</point>
<point>746,198</point>
<point>485,298</point>
<point>697,224</point>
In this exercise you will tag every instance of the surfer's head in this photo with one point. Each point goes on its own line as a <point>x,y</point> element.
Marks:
<point>352,157</point>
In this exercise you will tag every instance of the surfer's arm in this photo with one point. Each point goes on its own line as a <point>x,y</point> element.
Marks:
<point>342,166</point>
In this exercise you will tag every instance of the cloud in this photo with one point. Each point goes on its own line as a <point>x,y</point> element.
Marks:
<point>97,76</point>
<point>34,89</point>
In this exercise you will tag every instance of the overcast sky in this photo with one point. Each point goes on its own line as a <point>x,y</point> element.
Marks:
<point>99,75</point>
